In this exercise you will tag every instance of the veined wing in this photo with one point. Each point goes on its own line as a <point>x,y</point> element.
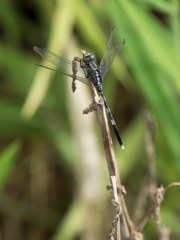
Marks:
<point>110,54</point>
<point>65,65</point>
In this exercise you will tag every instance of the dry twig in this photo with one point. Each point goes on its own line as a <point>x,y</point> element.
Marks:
<point>155,211</point>
<point>128,229</point>
<point>149,185</point>
<point>115,220</point>
<point>150,153</point>
<point>127,225</point>
<point>91,108</point>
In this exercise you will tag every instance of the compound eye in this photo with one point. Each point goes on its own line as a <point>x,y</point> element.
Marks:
<point>92,57</point>
<point>85,59</point>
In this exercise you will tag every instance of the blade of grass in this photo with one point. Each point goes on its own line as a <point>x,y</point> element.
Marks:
<point>73,223</point>
<point>7,160</point>
<point>151,73</point>
<point>62,24</point>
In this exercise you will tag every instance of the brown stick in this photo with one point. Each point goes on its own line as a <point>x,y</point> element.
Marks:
<point>111,162</point>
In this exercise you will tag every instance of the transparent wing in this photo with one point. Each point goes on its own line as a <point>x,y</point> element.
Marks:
<point>66,66</point>
<point>110,54</point>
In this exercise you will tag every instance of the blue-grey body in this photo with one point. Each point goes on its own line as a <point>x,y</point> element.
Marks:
<point>95,75</point>
<point>86,71</point>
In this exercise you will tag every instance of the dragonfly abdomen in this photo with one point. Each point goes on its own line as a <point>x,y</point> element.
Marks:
<point>112,121</point>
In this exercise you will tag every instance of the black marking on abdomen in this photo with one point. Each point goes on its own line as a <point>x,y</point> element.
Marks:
<point>112,121</point>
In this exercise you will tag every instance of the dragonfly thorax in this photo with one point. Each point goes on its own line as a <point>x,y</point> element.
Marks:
<point>95,75</point>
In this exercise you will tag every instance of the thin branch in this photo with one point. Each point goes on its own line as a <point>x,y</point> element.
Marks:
<point>149,184</point>
<point>127,225</point>
<point>154,211</point>
<point>141,202</point>
<point>116,220</point>
<point>171,185</point>
<point>163,231</point>
<point>128,229</point>
<point>91,108</point>
<point>150,153</point>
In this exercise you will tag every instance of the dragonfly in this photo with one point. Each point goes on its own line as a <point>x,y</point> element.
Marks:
<point>86,71</point>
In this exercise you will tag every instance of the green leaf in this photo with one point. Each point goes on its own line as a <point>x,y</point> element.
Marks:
<point>154,61</point>
<point>161,5</point>
<point>7,159</point>
<point>73,222</point>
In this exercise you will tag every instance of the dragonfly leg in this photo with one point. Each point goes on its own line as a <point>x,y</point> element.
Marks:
<point>84,69</point>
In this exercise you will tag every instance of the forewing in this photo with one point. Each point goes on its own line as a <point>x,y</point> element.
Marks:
<point>108,50</point>
<point>65,65</point>
<point>110,54</point>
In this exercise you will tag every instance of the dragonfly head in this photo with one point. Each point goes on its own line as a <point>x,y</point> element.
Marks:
<point>88,58</point>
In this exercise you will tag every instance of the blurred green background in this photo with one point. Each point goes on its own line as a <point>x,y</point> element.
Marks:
<point>53,171</point>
